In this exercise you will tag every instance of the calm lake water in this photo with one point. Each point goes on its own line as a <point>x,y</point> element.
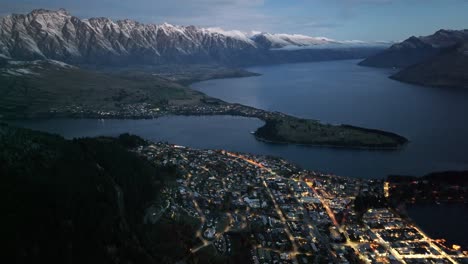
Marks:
<point>341,92</point>
<point>434,119</point>
<point>448,221</point>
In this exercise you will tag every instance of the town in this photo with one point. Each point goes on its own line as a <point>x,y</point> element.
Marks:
<point>289,215</point>
<point>207,106</point>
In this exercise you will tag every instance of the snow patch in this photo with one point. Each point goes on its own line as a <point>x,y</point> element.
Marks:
<point>61,64</point>
<point>16,62</point>
<point>4,57</point>
<point>22,68</point>
<point>25,71</point>
<point>171,29</point>
<point>19,72</point>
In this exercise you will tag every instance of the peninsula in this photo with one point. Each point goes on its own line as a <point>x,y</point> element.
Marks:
<point>50,89</point>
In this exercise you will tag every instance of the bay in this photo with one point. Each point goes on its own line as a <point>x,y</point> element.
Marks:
<point>434,119</point>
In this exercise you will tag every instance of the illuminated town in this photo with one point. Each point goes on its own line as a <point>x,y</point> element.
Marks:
<point>290,215</point>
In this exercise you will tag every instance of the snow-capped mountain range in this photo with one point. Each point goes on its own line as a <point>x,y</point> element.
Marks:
<point>57,35</point>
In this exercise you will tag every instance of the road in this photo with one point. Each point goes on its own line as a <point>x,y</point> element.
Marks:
<point>295,248</point>
<point>202,217</point>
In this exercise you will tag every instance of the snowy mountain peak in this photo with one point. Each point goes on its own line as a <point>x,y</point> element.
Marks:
<point>60,12</point>
<point>46,34</point>
<point>168,25</point>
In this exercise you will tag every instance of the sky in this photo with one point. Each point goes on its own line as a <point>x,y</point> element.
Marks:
<point>369,20</point>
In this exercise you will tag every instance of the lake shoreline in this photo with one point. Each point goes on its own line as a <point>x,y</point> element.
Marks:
<point>419,113</point>
<point>244,111</point>
<point>259,138</point>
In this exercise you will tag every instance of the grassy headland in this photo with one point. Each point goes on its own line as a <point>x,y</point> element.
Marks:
<point>311,132</point>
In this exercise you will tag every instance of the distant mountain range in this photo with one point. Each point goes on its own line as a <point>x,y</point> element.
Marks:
<point>416,49</point>
<point>449,68</point>
<point>57,35</point>
<point>440,59</point>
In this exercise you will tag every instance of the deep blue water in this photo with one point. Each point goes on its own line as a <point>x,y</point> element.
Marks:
<point>447,221</point>
<point>434,119</point>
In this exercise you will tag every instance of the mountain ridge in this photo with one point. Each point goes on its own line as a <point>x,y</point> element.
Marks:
<point>447,69</point>
<point>439,60</point>
<point>45,34</point>
<point>415,50</point>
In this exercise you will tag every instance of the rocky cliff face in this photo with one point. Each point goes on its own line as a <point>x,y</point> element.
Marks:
<point>44,34</point>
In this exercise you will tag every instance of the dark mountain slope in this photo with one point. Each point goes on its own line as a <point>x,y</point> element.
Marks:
<point>447,69</point>
<point>416,49</point>
<point>401,55</point>
<point>82,201</point>
<point>30,88</point>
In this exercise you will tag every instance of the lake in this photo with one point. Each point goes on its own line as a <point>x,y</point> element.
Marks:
<point>447,221</point>
<point>434,119</point>
<point>341,92</point>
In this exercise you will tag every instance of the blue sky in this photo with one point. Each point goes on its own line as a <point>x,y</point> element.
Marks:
<point>338,19</point>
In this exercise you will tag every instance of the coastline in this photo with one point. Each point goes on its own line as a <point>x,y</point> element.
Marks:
<point>293,130</point>
<point>421,213</point>
<point>305,132</point>
<point>259,138</point>
<point>262,115</point>
<point>320,184</point>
